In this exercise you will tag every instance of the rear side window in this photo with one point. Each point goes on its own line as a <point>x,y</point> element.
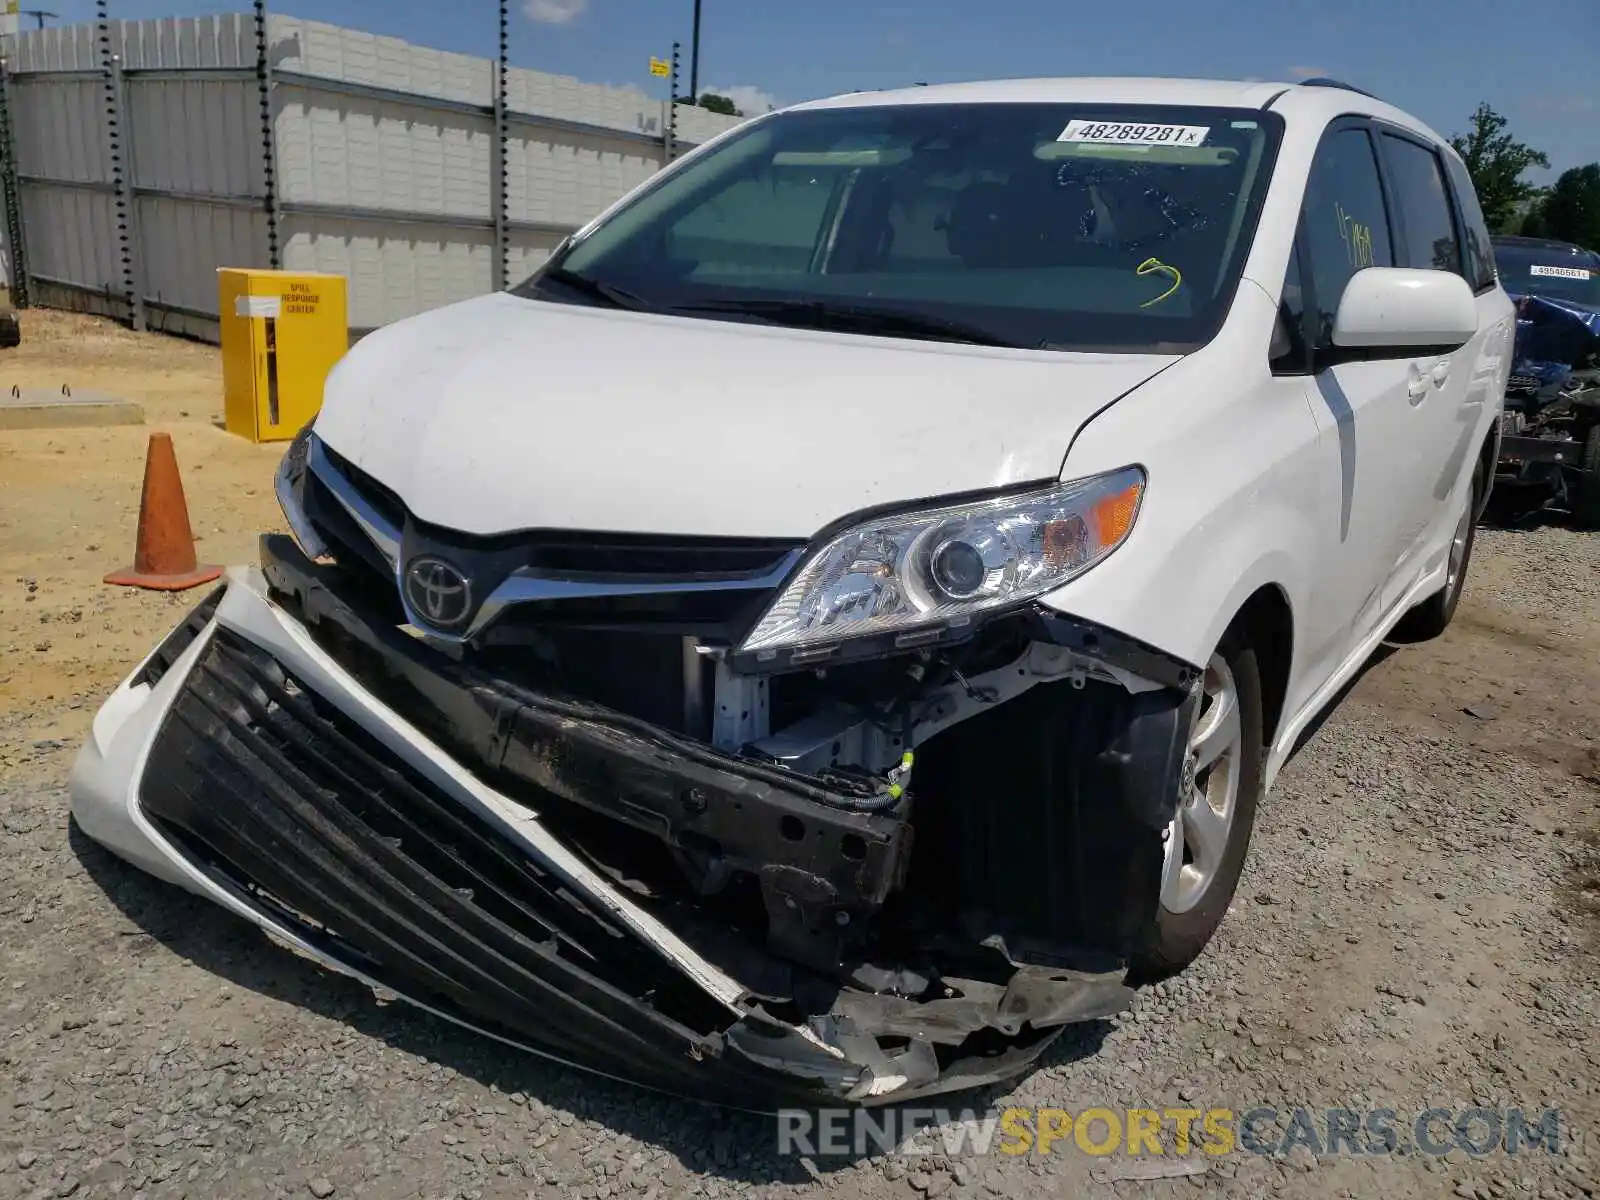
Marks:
<point>1424,203</point>
<point>1344,221</point>
<point>1480,250</point>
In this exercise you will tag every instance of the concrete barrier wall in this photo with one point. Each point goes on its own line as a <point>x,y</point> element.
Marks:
<point>142,164</point>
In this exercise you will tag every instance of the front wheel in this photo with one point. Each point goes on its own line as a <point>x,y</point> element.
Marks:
<point>1206,842</point>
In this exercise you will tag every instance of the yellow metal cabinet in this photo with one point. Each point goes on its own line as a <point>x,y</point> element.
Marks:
<point>282,331</point>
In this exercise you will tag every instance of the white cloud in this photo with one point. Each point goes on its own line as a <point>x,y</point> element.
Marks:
<point>554,12</point>
<point>1309,72</point>
<point>747,98</point>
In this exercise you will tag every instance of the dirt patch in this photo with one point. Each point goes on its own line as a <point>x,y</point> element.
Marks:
<point>72,501</point>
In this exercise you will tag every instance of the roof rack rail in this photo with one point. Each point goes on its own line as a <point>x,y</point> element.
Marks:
<point>1323,81</point>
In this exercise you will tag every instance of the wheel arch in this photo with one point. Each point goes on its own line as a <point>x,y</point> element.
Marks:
<point>1266,619</point>
<point>1488,460</point>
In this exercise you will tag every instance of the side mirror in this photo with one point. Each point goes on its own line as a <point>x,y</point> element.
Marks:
<point>1403,309</point>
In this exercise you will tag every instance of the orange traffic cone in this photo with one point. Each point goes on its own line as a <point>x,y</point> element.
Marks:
<point>163,556</point>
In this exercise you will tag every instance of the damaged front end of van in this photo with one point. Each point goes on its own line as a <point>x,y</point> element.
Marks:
<point>760,821</point>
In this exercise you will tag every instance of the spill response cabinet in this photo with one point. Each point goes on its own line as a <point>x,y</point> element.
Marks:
<point>282,331</point>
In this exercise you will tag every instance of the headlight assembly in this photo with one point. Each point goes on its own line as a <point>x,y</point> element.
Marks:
<point>916,574</point>
<point>289,484</point>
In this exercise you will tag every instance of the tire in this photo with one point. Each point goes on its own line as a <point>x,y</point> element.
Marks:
<point>1586,504</point>
<point>1432,616</point>
<point>1176,937</point>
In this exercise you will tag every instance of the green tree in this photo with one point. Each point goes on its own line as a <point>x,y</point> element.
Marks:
<point>712,102</point>
<point>1571,211</point>
<point>1533,225</point>
<point>1497,162</point>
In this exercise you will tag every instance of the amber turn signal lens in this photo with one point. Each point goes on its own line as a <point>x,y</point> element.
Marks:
<point>1114,514</point>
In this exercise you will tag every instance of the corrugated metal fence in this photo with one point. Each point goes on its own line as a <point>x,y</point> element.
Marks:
<point>146,154</point>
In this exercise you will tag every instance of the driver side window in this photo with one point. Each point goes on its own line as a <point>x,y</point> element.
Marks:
<point>1344,222</point>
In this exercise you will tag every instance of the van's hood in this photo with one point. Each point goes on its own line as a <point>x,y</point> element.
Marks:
<point>502,414</point>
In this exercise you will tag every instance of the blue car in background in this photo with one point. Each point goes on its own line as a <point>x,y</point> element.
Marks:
<point>1550,439</point>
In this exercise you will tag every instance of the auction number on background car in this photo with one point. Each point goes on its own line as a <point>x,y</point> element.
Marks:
<point>1134,135</point>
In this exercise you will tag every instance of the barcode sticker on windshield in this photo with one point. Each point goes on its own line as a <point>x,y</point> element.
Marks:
<point>1134,135</point>
<point>1561,272</point>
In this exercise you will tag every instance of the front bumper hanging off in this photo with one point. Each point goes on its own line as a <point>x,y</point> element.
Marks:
<point>304,767</point>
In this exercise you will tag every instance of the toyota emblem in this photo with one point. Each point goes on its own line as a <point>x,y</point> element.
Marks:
<point>438,593</point>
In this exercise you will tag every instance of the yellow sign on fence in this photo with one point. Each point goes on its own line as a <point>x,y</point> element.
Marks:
<point>660,67</point>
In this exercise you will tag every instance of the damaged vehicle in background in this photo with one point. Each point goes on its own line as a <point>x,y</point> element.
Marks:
<point>1551,439</point>
<point>832,626</point>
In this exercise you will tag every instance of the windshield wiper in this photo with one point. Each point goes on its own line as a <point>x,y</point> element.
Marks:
<point>615,296</point>
<point>852,318</point>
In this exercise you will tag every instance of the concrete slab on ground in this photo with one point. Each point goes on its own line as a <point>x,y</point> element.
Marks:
<point>42,408</point>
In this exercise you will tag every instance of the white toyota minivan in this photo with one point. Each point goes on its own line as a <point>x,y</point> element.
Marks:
<point>833,625</point>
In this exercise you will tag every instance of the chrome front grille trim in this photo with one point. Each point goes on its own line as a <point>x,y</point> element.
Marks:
<point>373,523</point>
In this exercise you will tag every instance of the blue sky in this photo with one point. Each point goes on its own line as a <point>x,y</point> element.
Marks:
<point>1435,58</point>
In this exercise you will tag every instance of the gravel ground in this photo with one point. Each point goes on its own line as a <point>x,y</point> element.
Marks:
<point>1417,926</point>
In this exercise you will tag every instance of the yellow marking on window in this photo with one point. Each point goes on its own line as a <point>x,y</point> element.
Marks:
<point>1357,238</point>
<point>1151,266</point>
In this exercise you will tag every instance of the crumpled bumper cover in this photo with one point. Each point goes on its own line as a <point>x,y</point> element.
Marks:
<point>299,811</point>
<point>259,772</point>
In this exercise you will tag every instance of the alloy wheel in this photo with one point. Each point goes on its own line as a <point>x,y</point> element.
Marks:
<point>1197,839</point>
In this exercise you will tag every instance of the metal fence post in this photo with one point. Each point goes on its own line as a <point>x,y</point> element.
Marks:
<point>130,227</point>
<point>15,236</point>
<point>499,175</point>
<point>119,144</point>
<point>269,145</point>
<point>670,137</point>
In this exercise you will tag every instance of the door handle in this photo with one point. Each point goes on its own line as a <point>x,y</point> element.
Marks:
<point>1441,372</point>
<point>1416,384</point>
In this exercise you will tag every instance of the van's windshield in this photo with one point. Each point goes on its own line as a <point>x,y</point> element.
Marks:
<point>1040,225</point>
